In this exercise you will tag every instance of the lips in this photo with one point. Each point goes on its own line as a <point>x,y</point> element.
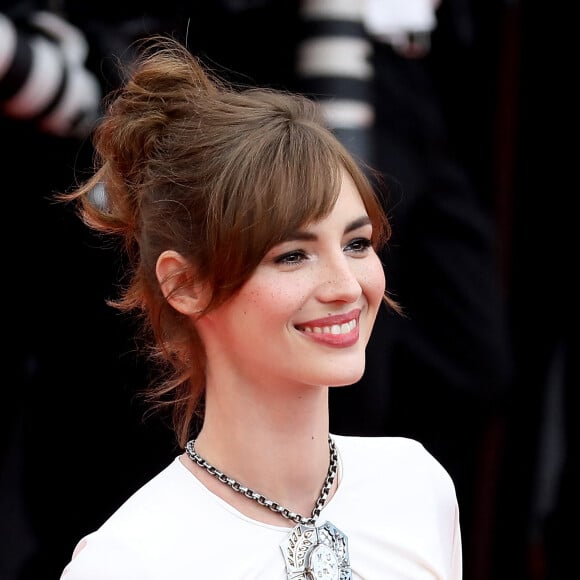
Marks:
<point>340,330</point>
<point>333,324</point>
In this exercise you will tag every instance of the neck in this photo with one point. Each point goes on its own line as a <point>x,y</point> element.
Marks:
<point>274,506</point>
<point>278,450</point>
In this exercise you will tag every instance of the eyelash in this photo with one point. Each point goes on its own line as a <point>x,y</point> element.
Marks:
<point>362,245</point>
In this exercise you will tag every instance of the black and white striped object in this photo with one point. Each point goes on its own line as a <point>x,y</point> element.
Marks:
<point>334,65</point>
<point>43,78</point>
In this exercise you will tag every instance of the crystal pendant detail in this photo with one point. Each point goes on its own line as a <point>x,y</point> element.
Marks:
<point>316,552</point>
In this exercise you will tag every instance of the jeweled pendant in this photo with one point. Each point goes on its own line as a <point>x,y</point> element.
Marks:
<point>316,552</point>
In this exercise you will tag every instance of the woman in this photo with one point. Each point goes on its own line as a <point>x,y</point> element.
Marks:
<point>251,235</point>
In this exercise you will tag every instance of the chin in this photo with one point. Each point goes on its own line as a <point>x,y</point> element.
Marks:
<point>343,385</point>
<point>347,379</point>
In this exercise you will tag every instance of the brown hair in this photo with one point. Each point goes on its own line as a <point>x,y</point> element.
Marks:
<point>217,173</point>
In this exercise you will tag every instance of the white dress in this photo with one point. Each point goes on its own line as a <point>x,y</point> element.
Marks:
<point>395,503</point>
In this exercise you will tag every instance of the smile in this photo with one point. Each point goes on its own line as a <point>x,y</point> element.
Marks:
<point>335,329</point>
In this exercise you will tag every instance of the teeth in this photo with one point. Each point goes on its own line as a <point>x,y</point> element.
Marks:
<point>334,329</point>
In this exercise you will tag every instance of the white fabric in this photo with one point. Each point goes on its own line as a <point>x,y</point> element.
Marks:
<point>42,82</point>
<point>347,114</point>
<point>335,56</point>
<point>335,9</point>
<point>7,44</point>
<point>388,17</point>
<point>395,502</point>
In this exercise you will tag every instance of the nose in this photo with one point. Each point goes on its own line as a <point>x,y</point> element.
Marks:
<point>339,281</point>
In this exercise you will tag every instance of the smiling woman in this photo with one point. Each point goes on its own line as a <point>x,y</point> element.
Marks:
<point>252,238</point>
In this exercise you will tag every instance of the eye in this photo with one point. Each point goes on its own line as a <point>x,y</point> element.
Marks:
<point>294,257</point>
<point>358,245</point>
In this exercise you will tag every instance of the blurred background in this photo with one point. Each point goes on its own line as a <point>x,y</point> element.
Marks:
<point>464,107</point>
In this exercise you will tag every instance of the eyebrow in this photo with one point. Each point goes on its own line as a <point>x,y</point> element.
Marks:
<point>301,235</point>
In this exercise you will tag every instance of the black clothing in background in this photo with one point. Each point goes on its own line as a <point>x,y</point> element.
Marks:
<point>539,503</point>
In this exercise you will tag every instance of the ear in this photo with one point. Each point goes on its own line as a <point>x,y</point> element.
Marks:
<point>176,279</point>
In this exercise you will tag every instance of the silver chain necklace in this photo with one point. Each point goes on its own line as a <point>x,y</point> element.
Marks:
<point>310,552</point>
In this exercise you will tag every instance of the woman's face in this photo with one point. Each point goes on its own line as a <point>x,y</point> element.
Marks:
<point>306,313</point>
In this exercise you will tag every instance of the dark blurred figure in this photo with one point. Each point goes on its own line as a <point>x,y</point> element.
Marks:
<point>539,505</point>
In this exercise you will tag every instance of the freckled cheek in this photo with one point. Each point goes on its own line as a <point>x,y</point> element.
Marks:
<point>373,282</point>
<point>278,301</point>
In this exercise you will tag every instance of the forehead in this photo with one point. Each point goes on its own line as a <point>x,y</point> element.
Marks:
<point>349,200</point>
<point>348,212</point>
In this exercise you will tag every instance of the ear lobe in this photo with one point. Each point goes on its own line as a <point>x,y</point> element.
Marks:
<point>176,279</point>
